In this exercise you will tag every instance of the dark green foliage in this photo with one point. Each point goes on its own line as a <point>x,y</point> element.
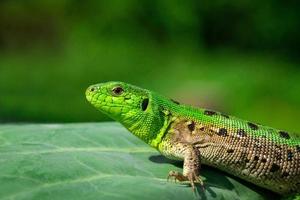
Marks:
<point>262,25</point>
<point>231,56</point>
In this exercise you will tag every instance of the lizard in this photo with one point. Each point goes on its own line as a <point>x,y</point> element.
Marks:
<point>264,156</point>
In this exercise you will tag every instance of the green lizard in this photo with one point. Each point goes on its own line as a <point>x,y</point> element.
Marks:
<point>259,154</point>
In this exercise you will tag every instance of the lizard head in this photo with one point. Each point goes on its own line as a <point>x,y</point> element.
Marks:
<point>132,106</point>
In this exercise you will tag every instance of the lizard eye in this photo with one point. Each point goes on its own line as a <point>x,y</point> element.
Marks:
<point>117,90</point>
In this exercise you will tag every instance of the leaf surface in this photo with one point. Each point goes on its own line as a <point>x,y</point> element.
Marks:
<point>98,161</point>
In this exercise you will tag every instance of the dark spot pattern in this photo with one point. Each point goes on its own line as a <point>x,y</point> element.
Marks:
<point>209,112</point>
<point>289,155</point>
<point>145,104</point>
<point>274,167</point>
<point>284,134</point>
<point>174,101</point>
<point>256,158</point>
<point>224,115</point>
<point>252,126</point>
<point>202,128</point>
<point>222,132</point>
<point>241,133</point>
<point>263,160</point>
<point>285,174</point>
<point>230,151</point>
<point>298,148</point>
<point>191,126</point>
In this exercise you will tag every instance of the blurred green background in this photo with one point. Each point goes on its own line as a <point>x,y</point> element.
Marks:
<point>238,57</point>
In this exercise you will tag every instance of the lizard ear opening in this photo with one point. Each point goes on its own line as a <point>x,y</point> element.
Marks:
<point>145,103</point>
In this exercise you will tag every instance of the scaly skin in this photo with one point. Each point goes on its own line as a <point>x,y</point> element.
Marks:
<point>259,154</point>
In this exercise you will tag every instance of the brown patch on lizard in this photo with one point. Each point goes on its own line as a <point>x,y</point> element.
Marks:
<point>188,131</point>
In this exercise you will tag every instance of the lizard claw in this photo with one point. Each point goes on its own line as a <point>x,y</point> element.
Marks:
<point>173,174</point>
<point>199,180</point>
<point>191,177</point>
<point>177,176</point>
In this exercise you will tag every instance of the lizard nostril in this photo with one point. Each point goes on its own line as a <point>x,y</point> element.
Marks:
<point>92,89</point>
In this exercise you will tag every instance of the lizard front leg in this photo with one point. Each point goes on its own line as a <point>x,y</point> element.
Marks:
<point>191,161</point>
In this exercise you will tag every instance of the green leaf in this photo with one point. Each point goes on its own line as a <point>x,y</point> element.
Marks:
<point>97,161</point>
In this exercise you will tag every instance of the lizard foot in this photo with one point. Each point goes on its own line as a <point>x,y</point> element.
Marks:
<point>191,177</point>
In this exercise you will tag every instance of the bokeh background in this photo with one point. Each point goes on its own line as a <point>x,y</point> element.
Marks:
<point>238,57</point>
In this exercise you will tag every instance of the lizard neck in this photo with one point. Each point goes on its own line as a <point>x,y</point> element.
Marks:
<point>160,135</point>
<point>149,124</point>
<point>151,130</point>
<point>144,128</point>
